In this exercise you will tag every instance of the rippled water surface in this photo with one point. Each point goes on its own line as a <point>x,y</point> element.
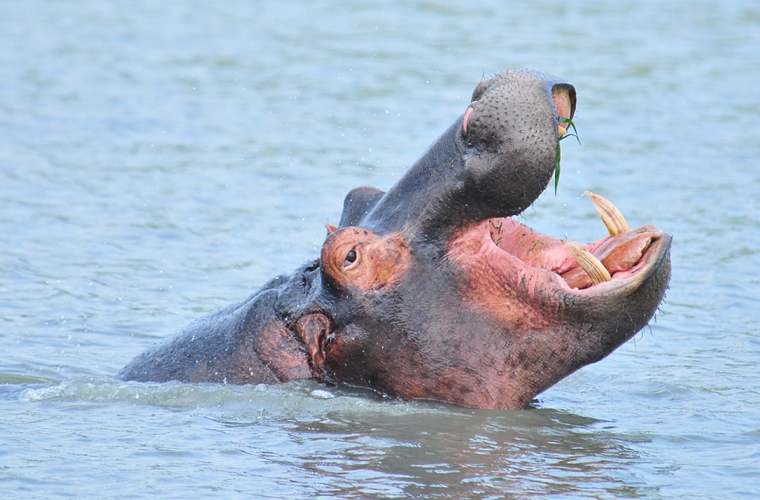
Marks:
<point>161,160</point>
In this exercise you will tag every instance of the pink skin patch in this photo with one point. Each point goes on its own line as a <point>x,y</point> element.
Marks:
<point>562,104</point>
<point>466,119</point>
<point>534,249</point>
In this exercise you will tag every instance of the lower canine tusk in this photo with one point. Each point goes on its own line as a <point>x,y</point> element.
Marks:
<point>593,266</point>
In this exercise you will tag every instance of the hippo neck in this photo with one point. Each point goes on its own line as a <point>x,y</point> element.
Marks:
<point>422,194</point>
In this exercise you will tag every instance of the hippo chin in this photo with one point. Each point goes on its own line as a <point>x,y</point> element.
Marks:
<point>431,290</point>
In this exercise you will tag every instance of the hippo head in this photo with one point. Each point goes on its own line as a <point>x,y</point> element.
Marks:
<point>431,290</point>
<point>434,292</point>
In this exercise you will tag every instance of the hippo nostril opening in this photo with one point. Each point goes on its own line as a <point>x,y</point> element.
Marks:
<point>564,98</point>
<point>564,106</point>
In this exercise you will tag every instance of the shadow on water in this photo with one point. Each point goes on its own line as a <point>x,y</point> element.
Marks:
<point>353,443</point>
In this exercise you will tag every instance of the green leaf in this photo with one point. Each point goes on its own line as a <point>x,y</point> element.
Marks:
<point>569,122</point>
<point>575,130</point>
<point>556,169</point>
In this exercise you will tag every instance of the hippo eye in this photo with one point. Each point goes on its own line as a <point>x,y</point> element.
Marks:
<point>350,257</point>
<point>353,257</point>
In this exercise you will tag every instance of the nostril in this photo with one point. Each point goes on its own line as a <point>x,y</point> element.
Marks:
<point>564,98</point>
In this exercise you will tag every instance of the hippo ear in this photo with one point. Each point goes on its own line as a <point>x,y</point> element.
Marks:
<point>359,201</point>
<point>330,228</point>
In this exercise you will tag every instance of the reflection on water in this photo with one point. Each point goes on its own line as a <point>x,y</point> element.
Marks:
<point>161,161</point>
<point>489,452</point>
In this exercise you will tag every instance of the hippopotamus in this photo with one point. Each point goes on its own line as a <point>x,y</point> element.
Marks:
<point>432,290</point>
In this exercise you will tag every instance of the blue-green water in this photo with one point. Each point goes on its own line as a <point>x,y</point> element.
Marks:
<point>159,161</point>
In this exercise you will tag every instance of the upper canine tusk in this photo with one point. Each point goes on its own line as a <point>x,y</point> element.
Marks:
<point>609,213</point>
<point>593,266</point>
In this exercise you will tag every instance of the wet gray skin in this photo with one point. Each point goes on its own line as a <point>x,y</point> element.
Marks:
<point>411,300</point>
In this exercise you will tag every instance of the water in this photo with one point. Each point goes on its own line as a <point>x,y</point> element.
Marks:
<point>161,161</point>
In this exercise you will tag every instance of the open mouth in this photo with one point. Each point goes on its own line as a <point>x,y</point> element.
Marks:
<point>614,258</point>
<point>623,254</point>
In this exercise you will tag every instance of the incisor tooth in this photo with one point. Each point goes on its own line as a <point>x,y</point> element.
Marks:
<point>609,213</point>
<point>593,267</point>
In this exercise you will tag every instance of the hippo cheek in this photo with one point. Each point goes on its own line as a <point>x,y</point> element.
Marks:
<point>367,352</point>
<point>361,272</point>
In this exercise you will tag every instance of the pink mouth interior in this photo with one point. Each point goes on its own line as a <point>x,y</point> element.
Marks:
<point>622,254</point>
